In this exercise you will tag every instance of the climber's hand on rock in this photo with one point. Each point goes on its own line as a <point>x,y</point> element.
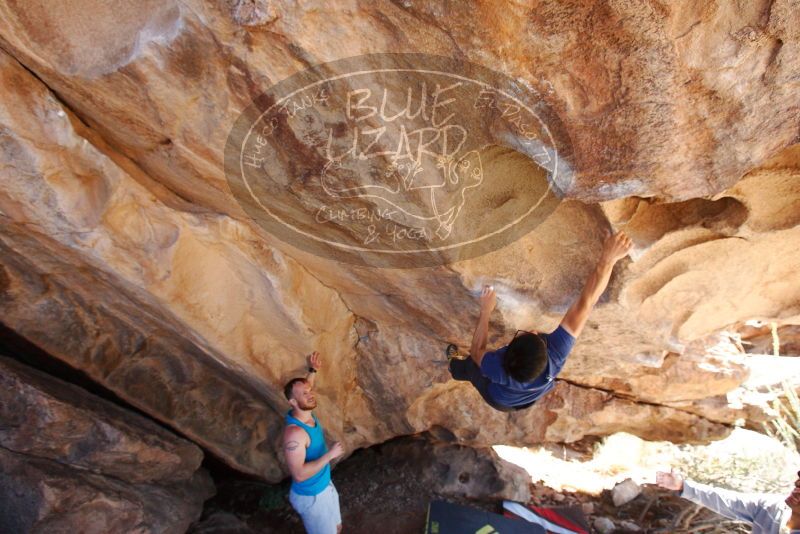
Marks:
<point>488,300</point>
<point>616,247</point>
<point>671,481</point>
<point>315,360</point>
<point>336,450</point>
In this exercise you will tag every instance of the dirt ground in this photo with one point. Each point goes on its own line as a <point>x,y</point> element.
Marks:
<point>375,496</point>
<point>389,498</point>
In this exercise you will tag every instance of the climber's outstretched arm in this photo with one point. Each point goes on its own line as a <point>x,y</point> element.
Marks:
<point>615,248</point>
<point>481,335</point>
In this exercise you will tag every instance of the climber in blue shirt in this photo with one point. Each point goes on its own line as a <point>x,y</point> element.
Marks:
<point>514,377</point>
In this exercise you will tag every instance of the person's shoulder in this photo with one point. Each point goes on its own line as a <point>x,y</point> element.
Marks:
<point>498,352</point>
<point>492,365</point>
<point>494,357</point>
<point>561,332</point>
<point>560,341</point>
<point>293,432</point>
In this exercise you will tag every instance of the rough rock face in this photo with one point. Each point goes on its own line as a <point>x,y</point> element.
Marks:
<point>41,495</point>
<point>457,471</point>
<point>70,461</point>
<point>40,416</point>
<point>124,253</point>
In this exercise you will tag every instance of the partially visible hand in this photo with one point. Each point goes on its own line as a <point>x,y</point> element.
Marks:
<point>671,481</point>
<point>616,247</point>
<point>315,360</point>
<point>336,450</point>
<point>488,300</point>
<point>793,500</point>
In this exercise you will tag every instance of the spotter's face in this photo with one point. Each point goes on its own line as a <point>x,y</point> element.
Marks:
<point>303,395</point>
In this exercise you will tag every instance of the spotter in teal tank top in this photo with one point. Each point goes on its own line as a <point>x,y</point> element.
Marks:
<point>320,480</point>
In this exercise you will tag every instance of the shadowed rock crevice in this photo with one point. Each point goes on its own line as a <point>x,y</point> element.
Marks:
<point>16,347</point>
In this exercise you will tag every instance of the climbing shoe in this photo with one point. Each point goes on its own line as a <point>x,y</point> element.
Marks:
<point>452,352</point>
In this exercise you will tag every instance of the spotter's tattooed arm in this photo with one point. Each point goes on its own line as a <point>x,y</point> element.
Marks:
<point>295,443</point>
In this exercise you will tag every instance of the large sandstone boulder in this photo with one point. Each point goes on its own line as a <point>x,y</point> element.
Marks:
<point>72,462</point>
<point>44,417</point>
<point>124,252</point>
<point>453,470</point>
<point>40,496</point>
